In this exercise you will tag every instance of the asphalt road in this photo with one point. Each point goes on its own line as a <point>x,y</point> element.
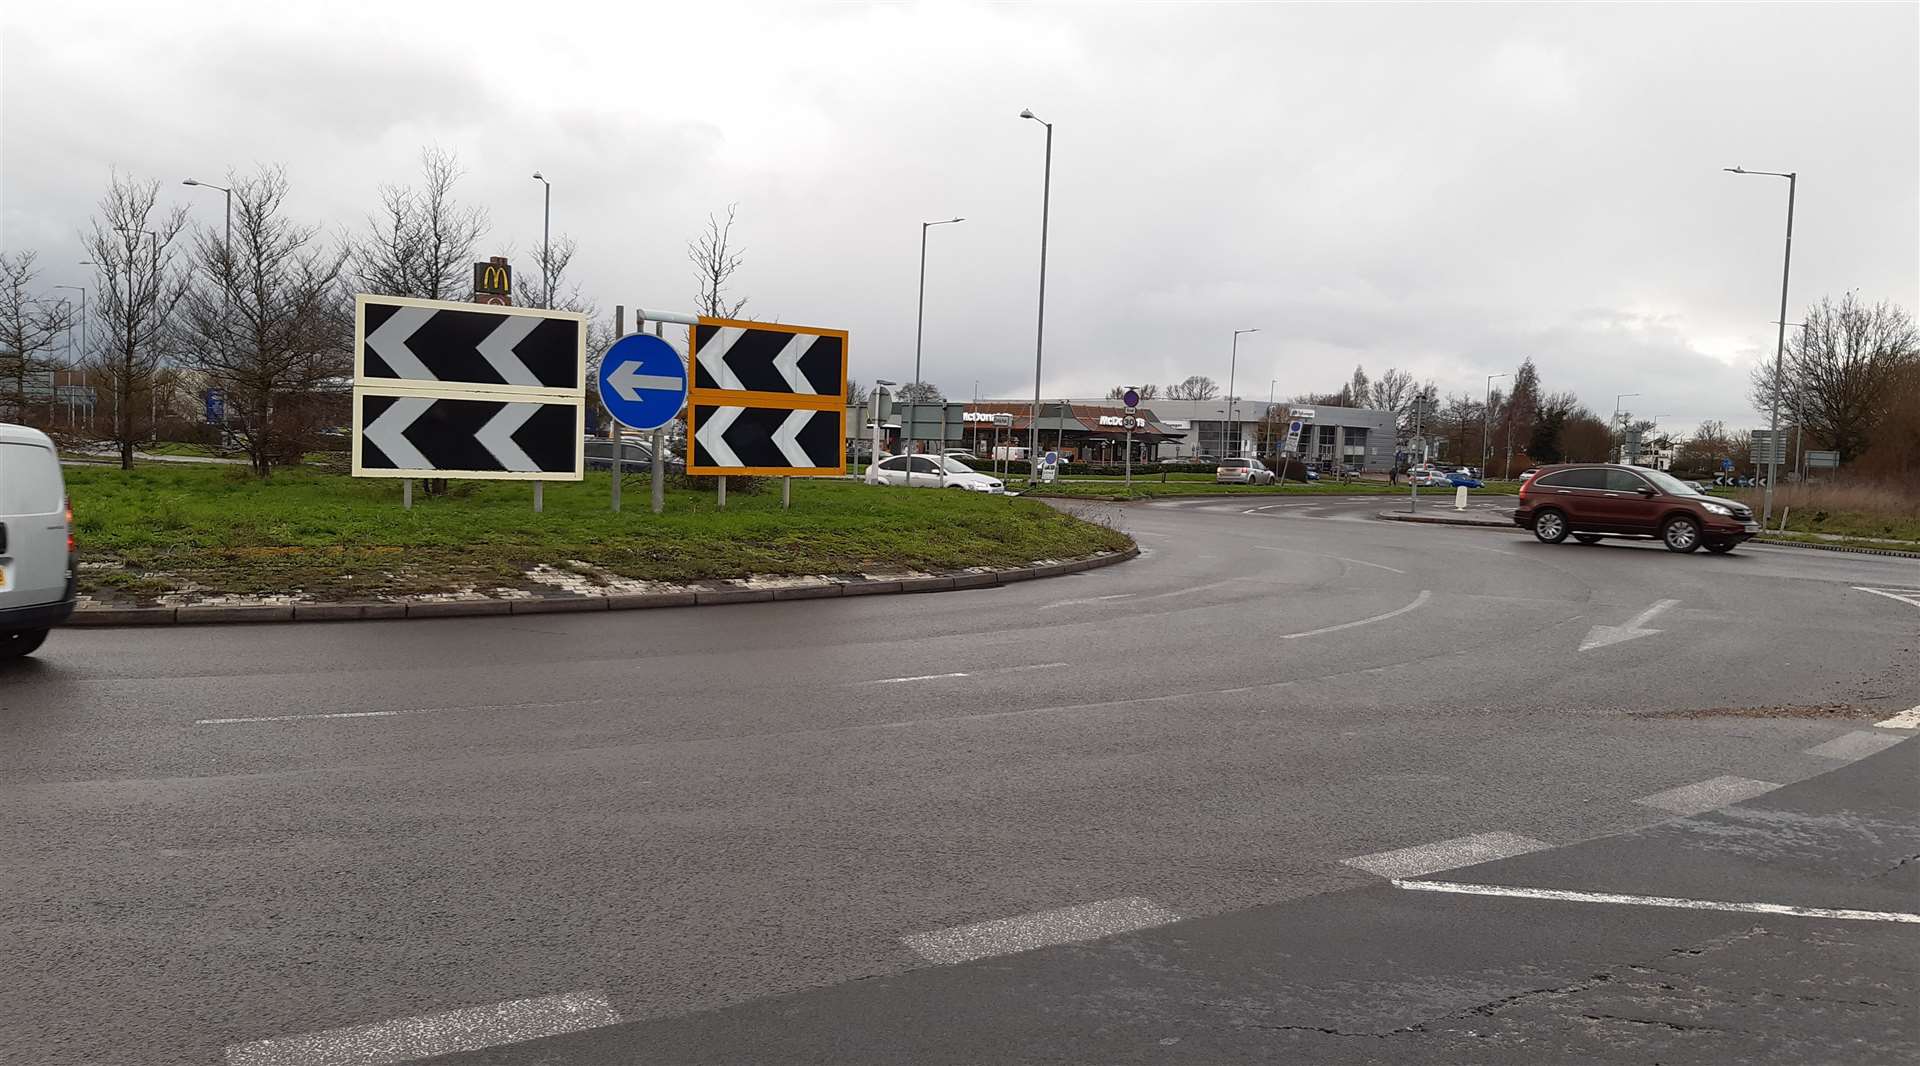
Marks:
<point>225,839</point>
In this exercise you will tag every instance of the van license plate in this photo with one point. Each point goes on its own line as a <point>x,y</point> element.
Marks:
<point>6,576</point>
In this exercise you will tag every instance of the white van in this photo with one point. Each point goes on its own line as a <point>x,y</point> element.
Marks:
<point>36,541</point>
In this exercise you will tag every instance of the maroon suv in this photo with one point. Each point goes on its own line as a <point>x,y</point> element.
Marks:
<point>1594,500</point>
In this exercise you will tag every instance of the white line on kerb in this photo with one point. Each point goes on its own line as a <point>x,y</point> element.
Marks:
<point>405,1039</point>
<point>1567,896</point>
<point>1907,719</point>
<point>1005,936</point>
<point>1425,595</point>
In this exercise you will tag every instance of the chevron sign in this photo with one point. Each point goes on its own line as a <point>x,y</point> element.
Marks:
<point>444,389</point>
<point>766,399</point>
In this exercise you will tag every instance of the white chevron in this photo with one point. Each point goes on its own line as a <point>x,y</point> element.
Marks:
<point>787,439</point>
<point>788,363</point>
<point>497,436</point>
<point>713,356</point>
<point>387,431</point>
<point>498,349</point>
<point>389,342</point>
<point>712,434</point>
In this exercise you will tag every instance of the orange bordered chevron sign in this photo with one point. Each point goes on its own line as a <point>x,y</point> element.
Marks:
<point>767,399</point>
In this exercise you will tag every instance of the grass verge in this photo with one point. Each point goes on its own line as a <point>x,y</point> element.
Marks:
<point>217,530</point>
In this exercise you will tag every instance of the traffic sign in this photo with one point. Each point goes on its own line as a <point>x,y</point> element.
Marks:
<point>444,389</point>
<point>1131,398</point>
<point>408,434</point>
<point>1726,464</point>
<point>642,381</point>
<point>1827,460</point>
<point>463,347</point>
<point>216,406</point>
<point>766,399</point>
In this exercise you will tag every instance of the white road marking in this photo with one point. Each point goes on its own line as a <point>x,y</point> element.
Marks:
<point>1323,555</point>
<point>963,673</point>
<point>1911,596</point>
<point>1144,533</point>
<point>1076,603</point>
<point>405,1039</point>
<point>1601,636</point>
<point>301,717</point>
<point>915,677</point>
<point>1425,595</point>
<point>1707,795</point>
<point>1067,925</point>
<point>1907,719</point>
<point>1445,854</point>
<point>1855,745</point>
<point>1655,901</point>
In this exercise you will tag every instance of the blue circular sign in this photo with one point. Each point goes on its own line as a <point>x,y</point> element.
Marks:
<point>643,382</point>
<point>1131,398</point>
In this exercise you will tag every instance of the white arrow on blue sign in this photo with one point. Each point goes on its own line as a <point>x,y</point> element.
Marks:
<point>643,382</point>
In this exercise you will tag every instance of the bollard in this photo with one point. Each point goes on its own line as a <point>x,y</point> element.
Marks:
<point>1460,498</point>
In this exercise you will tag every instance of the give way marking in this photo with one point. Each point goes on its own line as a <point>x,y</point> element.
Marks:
<point>1911,596</point>
<point>1601,636</point>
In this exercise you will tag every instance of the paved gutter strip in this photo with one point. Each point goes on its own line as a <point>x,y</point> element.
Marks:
<point>1065,925</point>
<point>405,1039</point>
<point>195,614</point>
<point>1507,524</point>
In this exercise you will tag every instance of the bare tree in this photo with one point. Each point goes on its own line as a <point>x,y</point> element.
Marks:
<point>1195,387</point>
<point>1147,392</point>
<point>920,392</point>
<point>1392,391</point>
<point>552,279</point>
<point>715,259</point>
<point>421,242</point>
<point>1838,371</point>
<point>267,323</point>
<point>138,289</point>
<point>27,328</point>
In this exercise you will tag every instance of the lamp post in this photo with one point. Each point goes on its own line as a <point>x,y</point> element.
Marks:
<point>227,248</point>
<point>1233,366</point>
<point>919,328</point>
<point>1486,423</point>
<point>546,240</point>
<point>82,289</point>
<point>1780,340</point>
<point>1616,420</point>
<point>1040,322</point>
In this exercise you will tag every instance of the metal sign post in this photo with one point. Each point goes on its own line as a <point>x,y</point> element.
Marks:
<point>619,438</point>
<point>1132,399</point>
<point>659,443</point>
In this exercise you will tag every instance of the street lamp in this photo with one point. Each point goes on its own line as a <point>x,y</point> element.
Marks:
<point>1780,341</point>
<point>546,240</point>
<point>82,290</point>
<point>1486,423</point>
<point>919,328</point>
<point>1040,322</point>
<point>227,250</point>
<point>1233,365</point>
<point>1616,420</point>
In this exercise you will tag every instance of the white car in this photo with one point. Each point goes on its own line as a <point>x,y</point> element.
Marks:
<point>932,472</point>
<point>1242,472</point>
<point>36,541</point>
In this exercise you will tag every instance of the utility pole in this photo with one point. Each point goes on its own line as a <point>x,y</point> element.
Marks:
<point>1040,324</point>
<point>1780,341</point>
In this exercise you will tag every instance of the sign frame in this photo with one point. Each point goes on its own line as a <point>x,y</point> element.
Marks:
<point>579,448</point>
<point>697,396</point>
<point>578,393</point>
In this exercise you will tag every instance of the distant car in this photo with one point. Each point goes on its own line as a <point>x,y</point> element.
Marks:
<point>961,454</point>
<point>1242,472</point>
<point>1431,479</point>
<point>1313,475</point>
<point>1525,474</point>
<point>1460,479</point>
<point>635,456</point>
<point>927,472</point>
<point>1595,500</point>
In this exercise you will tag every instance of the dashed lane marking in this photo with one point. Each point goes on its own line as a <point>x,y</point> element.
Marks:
<point>1083,602</point>
<point>1324,555</point>
<point>1655,901</point>
<point>1707,795</point>
<point>961,673</point>
<point>1067,925</point>
<point>1855,745</point>
<point>1425,595</point>
<point>404,1039</point>
<point>1907,719</point>
<point>1445,854</point>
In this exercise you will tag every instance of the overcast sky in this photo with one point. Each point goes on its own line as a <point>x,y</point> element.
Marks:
<point>1441,188</point>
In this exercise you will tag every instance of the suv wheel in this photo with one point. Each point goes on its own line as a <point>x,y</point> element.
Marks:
<point>1681,533</point>
<point>1550,526</point>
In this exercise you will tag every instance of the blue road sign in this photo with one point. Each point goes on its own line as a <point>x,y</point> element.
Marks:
<point>1052,459</point>
<point>642,381</point>
<point>1726,464</point>
<point>216,407</point>
<point>1131,398</point>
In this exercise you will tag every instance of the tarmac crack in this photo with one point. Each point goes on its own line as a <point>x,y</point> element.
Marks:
<point>1676,1027</point>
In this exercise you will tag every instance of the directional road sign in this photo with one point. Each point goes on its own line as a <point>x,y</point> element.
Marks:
<point>444,389</point>
<point>407,434</point>
<point>1131,398</point>
<point>766,399</point>
<point>642,381</point>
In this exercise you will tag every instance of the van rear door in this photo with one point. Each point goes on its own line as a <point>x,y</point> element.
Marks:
<point>33,508</point>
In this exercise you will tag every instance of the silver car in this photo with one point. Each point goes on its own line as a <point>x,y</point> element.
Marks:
<point>1242,472</point>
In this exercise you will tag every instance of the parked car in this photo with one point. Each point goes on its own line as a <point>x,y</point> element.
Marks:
<point>635,456</point>
<point>929,472</point>
<point>961,454</point>
<point>1242,472</point>
<point>1526,475</point>
<point>1431,479</point>
<point>1595,500</point>
<point>37,571</point>
<point>1462,479</point>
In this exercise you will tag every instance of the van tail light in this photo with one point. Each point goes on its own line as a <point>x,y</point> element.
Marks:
<point>69,525</point>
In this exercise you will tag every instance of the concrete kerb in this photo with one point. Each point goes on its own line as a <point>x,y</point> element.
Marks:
<point>425,608</point>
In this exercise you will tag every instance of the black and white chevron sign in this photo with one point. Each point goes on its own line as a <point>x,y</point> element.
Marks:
<point>763,357</point>
<point>440,436</point>
<point>765,440</point>
<point>428,342</point>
